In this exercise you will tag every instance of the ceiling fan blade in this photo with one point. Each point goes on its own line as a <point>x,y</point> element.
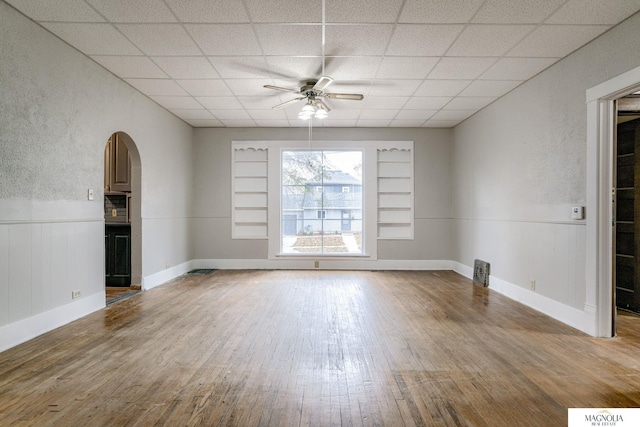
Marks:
<point>284,89</point>
<point>322,83</point>
<point>322,105</point>
<point>352,96</point>
<point>291,101</point>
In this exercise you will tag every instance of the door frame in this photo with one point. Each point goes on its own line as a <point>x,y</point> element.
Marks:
<point>601,124</point>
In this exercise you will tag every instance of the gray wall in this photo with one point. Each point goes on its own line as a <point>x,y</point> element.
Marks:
<point>212,204</point>
<point>57,110</point>
<point>520,164</point>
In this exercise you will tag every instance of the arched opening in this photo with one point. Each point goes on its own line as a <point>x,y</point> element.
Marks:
<point>123,223</point>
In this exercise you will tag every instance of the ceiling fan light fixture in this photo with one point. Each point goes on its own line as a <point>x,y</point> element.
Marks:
<point>320,114</point>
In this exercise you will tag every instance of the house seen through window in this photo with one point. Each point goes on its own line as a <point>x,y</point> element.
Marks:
<point>318,215</point>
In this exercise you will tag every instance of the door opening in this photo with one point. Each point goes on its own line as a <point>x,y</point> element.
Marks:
<point>122,216</point>
<point>626,206</point>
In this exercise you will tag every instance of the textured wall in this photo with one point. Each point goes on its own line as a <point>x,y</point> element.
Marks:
<point>212,203</point>
<point>57,110</point>
<point>520,164</point>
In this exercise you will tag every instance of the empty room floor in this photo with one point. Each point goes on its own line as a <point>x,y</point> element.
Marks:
<point>289,348</point>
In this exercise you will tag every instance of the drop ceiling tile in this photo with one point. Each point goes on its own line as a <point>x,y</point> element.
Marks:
<point>266,103</point>
<point>469,103</point>
<point>192,114</point>
<point>351,40</point>
<point>516,11</point>
<point>57,11</point>
<point>422,40</point>
<point>608,12</point>
<point>402,67</point>
<point>186,67</point>
<point>267,115</point>
<point>360,68</point>
<point>383,102</point>
<point>394,87</point>
<point>493,88</point>
<point>415,114</point>
<point>555,41</point>
<point>341,113</point>
<point>219,102</point>
<point>441,123</point>
<point>488,40</point>
<point>441,87</point>
<point>439,11</point>
<point>285,11</point>
<point>295,70</point>
<point>160,39</point>
<point>427,102</point>
<point>207,11</point>
<point>373,123</point>
<point>406,123</point>
<point>134,11</point>
<point>177,102</point>
<point>230,114</point>
<point>130,66</point>
<point>298,123</point>
<point>240,67</point>
<point>204,123</point>
<point>290,39</point>
<point>369,11</point>
<point>517,68</point>
<point>205,87</point>
<point>93,39</point>
<point>160,87</point>
<point>378,114</point>
<point>452,115</point>
<point>331,123</point>
<point>251,87</point>
<point>239,39</point>
<point>460,68</point>
<point>239,123</point>
<point>272,123</point>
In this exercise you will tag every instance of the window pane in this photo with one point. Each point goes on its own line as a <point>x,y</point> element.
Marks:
<point>321,202</point>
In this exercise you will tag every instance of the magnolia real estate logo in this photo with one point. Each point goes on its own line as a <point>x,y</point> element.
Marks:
<point>601,417</point>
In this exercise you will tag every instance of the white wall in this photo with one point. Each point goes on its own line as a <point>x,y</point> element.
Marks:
<point>57,110</point>
<point>519,166</point>
<point>212,203</point>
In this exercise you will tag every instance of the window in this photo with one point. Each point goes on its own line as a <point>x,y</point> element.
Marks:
<point>311,201</point>
<point>318,216</point>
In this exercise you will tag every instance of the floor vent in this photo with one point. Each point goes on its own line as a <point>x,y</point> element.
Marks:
<point>202,271</point>
<point>481,273</point>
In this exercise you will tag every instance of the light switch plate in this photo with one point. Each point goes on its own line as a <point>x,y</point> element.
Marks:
<point>90,194</point>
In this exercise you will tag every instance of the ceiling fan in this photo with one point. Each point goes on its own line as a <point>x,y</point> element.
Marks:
<point>312,91</point>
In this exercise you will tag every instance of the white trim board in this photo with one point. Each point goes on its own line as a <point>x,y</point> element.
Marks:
<point>571,316</point>
<point>308,263</point>
<point>21,331</point>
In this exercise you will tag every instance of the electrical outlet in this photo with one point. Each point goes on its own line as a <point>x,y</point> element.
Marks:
<point>75,294</point>
<point>533,285</point>
<point>90,194</point>
<point>114,212</point>
<point>317,264</point>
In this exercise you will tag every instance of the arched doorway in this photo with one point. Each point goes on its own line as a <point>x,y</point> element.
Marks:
<point>123,224</point>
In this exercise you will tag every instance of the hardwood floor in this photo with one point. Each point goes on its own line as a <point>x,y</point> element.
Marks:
<point>289,348</point>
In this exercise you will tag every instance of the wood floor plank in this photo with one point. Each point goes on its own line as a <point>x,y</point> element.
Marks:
<point>316,348</point>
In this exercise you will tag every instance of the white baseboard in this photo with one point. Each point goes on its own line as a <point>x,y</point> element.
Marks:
<point>156,279</point>
<point>23,330</point>
<point>332,264</point>
<point>581,320</point>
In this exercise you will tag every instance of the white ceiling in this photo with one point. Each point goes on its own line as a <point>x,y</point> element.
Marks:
<point>419,63</point>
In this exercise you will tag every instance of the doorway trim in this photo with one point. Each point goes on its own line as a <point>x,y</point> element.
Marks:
<point>599,239</point>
